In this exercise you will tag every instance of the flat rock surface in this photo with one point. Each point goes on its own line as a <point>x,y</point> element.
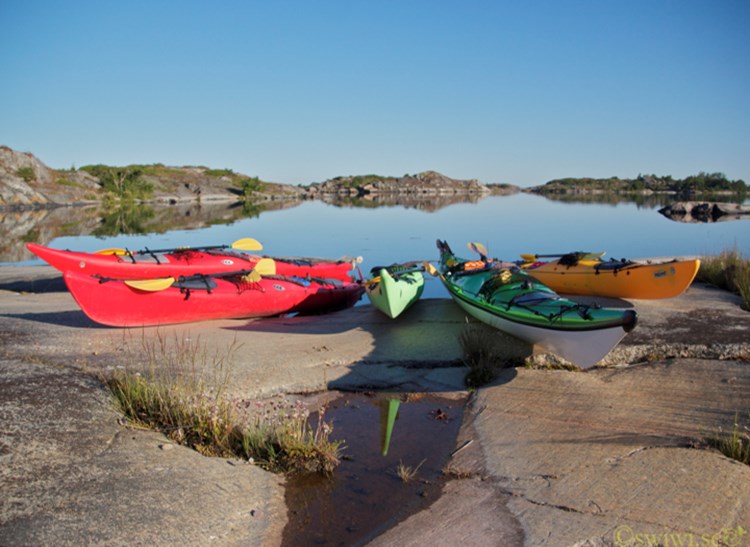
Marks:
<point>557,457</point>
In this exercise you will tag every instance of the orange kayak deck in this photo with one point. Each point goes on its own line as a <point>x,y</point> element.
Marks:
<point>617,278</point>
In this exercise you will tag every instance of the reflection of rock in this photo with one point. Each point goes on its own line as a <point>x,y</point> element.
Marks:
<point>701,211</point>
<point>43,225</point>
<point>610,198</point>
<point>410,201</point>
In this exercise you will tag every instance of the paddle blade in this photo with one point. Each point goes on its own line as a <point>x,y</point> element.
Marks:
<point>529,258</point>
<point>478,248</point>
<point>252,277</point>
<point>113,251</point>
<point>150,285</point>
<point>265,266</point>
<point>247,244</point>
<point>430,269</point>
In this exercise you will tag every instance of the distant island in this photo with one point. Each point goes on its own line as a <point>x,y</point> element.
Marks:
<point>700,184</point>
<point>27,183</point>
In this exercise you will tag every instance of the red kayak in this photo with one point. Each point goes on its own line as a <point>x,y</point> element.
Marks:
<point>179,262</point>
<point>120,303</point>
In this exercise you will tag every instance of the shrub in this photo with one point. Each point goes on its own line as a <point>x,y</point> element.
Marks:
<point>26,173</point>
<point>124,182</point>
<point>250,185</point>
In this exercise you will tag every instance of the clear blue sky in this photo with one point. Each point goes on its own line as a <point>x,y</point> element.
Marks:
<point>301,91</point>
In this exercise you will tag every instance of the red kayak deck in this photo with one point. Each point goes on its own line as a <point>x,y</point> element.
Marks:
<point>112,302</point>
<point>183,262</point>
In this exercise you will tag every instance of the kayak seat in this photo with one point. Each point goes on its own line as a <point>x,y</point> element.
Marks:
<point>195,283</point>
<point>471,284</point>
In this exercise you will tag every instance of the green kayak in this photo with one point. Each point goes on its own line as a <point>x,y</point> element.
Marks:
<point>394,288</point>
<point>516,303</point>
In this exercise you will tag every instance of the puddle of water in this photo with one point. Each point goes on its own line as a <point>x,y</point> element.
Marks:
<point>365,497</point>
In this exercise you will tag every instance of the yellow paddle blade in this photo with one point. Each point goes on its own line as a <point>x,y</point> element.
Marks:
<point>265,266</point>
<point>430,269</point>
<point>478,248</point>
<point>113,251</point>
<point>252,277</point>
<point>247,244</point>
<point>528,258</point>
<point>373,281</point>
<point>151,285</point>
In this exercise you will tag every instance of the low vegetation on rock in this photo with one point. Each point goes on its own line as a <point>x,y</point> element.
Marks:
<point>177,388</point>
<point>728,270</point>
<point>734,443</point>
<point>481,356</point>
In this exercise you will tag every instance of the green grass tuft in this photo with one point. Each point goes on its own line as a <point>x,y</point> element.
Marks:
<point>178,388</point>
<point>734,444</point>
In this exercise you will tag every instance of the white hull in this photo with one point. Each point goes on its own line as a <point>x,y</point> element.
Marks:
<point>583,348</point>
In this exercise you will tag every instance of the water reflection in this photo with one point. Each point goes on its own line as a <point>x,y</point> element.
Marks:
<point>44,225</point>
<point>126,219</point>
<point>421,202</point>
<point>365,496</point>
<point>388,417</point>
<point>508,225</point>
<point>652,201</point>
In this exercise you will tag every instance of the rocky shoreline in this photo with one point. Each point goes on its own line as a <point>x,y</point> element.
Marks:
<point>27,183</point>
<point>544,457</point>
<point>701,211</point>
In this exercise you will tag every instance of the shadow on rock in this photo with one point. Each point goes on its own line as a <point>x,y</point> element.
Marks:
<point>74,319</point>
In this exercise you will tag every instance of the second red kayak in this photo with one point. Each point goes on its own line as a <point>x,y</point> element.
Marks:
<point>120,303</point>
<point>180,262</point>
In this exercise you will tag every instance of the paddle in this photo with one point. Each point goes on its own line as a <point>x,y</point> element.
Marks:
<point>265,266</point>
<point>478,248</point>
<point>584,256</point>
<point>244,244</point>
<point>430,269</point>
<point>150,285</point>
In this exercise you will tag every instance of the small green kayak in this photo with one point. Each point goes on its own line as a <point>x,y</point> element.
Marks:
<point>394,288</point>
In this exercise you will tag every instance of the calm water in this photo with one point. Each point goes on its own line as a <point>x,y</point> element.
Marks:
<point>365,496</point>
<point>507,225</point>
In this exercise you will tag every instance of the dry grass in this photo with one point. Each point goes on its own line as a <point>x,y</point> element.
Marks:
<point>177,387</point>
<point>407,473</point>
<point>735,443</point>
<point>482,357</point>
<point>728,270</point>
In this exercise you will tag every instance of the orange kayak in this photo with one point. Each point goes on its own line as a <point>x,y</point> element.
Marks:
<point>571,274</point>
